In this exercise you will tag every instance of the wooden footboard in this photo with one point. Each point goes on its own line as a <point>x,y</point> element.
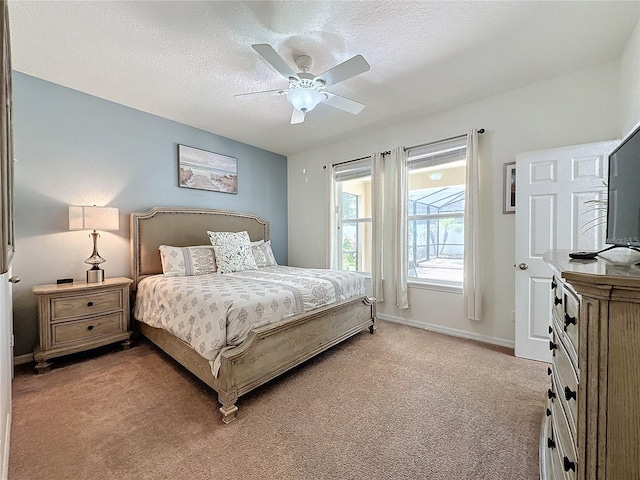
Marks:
<point>270,350</point>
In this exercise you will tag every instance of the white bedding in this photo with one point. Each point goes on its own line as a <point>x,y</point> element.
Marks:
<point>214,311</point>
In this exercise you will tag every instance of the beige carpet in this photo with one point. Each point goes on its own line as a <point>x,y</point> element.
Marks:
<point>401,404</point>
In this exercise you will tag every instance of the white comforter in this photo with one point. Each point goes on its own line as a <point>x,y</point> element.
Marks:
<point>211,312</point>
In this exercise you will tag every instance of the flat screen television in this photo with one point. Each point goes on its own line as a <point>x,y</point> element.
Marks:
<point>623,193</point>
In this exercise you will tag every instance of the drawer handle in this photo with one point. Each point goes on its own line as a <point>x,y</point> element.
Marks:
<point>568,394</point>
<point>569,320</point>
<point>551,394</point>
<point>548,412</point>
<point>553,284</point>
<point>569,465</point>
<point>89,304</point>
<point>90,327</point>
<point>551,443</point>
<point>557,301</point>
<point>552,346</point>
<point>548,370</point>
<point>550,329</point>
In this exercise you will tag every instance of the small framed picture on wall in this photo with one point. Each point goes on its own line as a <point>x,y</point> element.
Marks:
<point>509,188</point>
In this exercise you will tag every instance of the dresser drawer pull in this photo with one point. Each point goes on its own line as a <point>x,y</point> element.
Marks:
<point>89,304</point>
<point>552,346</point>
<point>549,370</point>
<point>557,301</point>
<point>568,394</point>
<point>569,465</point>
<point>550,329</point>
<point>553,284</point>
<point>548,412</point>
<point>90,327</point>
<point>551,443</point>
<point>569,320</point>
<point>551,394</point>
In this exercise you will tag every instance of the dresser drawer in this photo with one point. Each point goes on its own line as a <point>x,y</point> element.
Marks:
<point>564,442</point>
<point>566,384</point>
<point>63,308</point>
<point>556,294</point>
<point>87,329</point>
<point>571,322</point>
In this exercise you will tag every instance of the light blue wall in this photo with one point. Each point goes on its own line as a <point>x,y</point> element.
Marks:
<point>74,148</point>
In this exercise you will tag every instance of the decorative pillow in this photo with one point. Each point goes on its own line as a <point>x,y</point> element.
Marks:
<point>233,251</point>
<point>255,244</point>
<point>263,254</point>
<point>228,238</point>
<point>234,258</point>
<point>184,261</point>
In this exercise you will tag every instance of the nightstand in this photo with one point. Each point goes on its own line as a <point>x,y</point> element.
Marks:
<point>80,316</point>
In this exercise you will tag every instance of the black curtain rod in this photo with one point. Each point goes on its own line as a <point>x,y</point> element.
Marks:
<point>349,161</point>
<point>481,131</point>
<point>388,152</point>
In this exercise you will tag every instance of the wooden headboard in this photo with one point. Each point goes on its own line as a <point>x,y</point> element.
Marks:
<point>182,227</point>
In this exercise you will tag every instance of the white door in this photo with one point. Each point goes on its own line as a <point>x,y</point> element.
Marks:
<point>6,368</point>
<point>552,191</point>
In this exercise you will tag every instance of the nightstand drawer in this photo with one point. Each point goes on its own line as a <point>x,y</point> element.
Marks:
<point>85,329</point>
<point>67,307</point>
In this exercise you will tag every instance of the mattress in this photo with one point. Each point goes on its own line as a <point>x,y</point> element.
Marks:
<point>214,312</point>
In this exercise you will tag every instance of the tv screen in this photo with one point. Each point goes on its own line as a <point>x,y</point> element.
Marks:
<point>623,200</point>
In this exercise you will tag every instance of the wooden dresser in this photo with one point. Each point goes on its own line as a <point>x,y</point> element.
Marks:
<point>591,430</point>
<point>79,316</point>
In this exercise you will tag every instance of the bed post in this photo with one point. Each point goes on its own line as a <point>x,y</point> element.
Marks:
<point>370,301</point>
<point>228,408</point>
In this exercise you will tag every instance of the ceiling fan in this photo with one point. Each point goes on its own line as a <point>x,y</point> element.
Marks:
<point>306,90</point>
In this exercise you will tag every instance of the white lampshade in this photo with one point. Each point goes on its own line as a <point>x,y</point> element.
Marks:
<point>304,99</point>
<point>93,218</point>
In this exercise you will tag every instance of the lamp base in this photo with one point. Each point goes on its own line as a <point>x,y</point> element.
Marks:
<point>95,275</point>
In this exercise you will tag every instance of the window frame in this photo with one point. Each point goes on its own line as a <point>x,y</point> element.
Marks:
<point>443,153</point>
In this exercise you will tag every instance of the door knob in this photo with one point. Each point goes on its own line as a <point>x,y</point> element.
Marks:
<point>523,266</point>
<point>15,279</point>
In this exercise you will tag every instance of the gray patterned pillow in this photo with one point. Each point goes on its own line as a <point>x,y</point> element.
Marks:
<point>263,254</point>
<point>234,258</point>
<point>228,238</point>
<point>233,251</point>
<point>184,261</point>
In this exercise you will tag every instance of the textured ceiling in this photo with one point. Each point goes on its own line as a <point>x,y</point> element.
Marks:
<point>186,60</point>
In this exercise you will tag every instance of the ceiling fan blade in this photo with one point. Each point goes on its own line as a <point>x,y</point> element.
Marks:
<point>270,55</point>
<point>297,116</point>
<point>343,103</point>
<point>278,91</point>
<point>347,69</point>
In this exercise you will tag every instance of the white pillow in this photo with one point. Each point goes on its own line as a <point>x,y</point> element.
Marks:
<point>233,251</point>
<point>263,254</point>
<point>184,261</point>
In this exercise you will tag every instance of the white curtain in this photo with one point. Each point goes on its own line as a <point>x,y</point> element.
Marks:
<point>401,202</point>
<point>471,295</point>
<point>332,261</point>
<point>377,199</point>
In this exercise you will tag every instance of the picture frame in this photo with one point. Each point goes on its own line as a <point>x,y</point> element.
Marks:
<point>204,170</point>
<point>509,188</point>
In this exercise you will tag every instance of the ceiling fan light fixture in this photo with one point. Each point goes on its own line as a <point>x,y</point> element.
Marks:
<point>305,99</point>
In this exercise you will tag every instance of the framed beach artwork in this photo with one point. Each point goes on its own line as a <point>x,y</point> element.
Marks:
<point>509,188</point>
<point>204,170</point>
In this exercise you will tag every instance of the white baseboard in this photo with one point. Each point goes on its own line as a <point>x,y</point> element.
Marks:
<point>22,359</point>
<point>5,453</point>
<point>454,332</point>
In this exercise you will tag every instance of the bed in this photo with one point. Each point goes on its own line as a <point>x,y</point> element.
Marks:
<point>268,350</point>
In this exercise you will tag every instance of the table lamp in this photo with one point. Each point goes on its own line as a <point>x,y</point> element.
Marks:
<point>94,218</point>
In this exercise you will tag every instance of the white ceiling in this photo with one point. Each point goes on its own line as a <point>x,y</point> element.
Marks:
<point>186,60</point>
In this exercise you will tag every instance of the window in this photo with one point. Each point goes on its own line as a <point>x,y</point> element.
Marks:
<point>352,194</point>
<point>436,178</point>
